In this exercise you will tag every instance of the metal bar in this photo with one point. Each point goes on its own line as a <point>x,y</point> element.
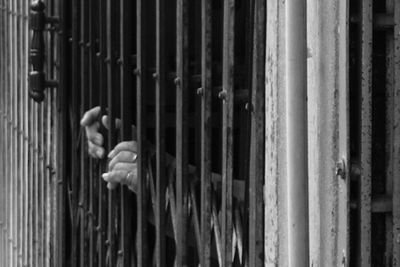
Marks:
<point>257,146</point>
<point>102,221</point>
<point>141,83</point>
<point>206,126</point>
<point>61,125</point>
<point>161,180</point>
<point>396,140</point>
<point>93,90</point>
<point>126,98</point>
<point>73,190</point>
<point>181,82</point>
<point>111,82</point>
<point>84,83</point>
<point>227,96</point>
<point>342,63</point>
<point>296,108</point>
<point>365,80</point>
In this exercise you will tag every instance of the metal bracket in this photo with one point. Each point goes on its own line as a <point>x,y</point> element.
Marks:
<point>38,21</point>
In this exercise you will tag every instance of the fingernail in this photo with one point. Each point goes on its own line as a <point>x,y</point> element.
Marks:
<point>111,154</point>
<point>134,157</point>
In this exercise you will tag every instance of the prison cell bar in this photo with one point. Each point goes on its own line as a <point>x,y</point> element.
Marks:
<point>365,79</point>
<point>257,149</point>
<point>206,126</point>
<point>296,123</point>
<point>126,99</point>
<point>181,82</point>
<point>111,81</point>
<point>160,82</point>
<point>73,183</point>
<point>94,174</point>
<point>227,97</point>
<point>396,141</point>
<point>84,86</point>
<point>141,83</point>
<point>61,125</point>
<point>102,71</point>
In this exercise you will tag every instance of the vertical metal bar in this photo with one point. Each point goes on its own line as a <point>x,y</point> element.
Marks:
<point>73,190</point>
<point>343,240</point>
<point>126,98</point>
<point>141,83</point>
<point>181,81</point>
<point>102,215</point>
<point>93,91</point>
<point>111,81</point>
<point>13,158</point>
<point>206,90</point>
<point>82,206</point>
<point>61,125</point>
<point>227,96</point>
<point>296,94</point>
<point>396,141</point>
<point>160,80</point>
<point>257,147</point>
<point>365,80</point>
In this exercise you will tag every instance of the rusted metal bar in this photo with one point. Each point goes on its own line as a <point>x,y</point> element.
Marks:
<point>206,126</point>
<point>160,82</point>
<point>296,106</point>
<point>141,84</point>
<point>227,97</point>
<point>396,140</point>
<point>181,82</point>
<point>365,81</point>
<point>257,147</point>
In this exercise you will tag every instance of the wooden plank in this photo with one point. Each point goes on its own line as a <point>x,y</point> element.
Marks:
<point>396,140</point>
<point>257,148</point>
<point>159,76</point>
<point>366,132</point>
<point>206,126</point>
<point>227,96</point>
<point>181,82</point>
<point>141,57</point>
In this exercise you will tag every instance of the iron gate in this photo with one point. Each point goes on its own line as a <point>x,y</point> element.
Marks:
<point>188,81</point>
<point>185,81</point>
<point>189,76</point>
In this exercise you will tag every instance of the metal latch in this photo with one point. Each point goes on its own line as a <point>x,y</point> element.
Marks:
<point>37,23</point>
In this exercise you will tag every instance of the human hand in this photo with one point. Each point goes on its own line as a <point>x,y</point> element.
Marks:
<point>90,121</point>
<point>122,167</point>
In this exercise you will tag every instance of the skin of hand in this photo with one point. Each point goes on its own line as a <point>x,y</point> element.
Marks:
<point>122,159</point>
